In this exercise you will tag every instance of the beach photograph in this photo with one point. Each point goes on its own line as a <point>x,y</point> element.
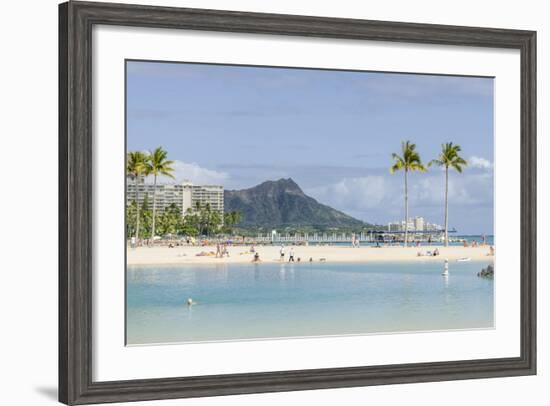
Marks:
<point>282,202</point>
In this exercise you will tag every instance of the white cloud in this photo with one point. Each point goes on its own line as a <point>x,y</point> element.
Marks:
<point>466,189</point>
<point>379,198</point>
<point>478,162</point>
<point>352,193</point>
<point>194,173</point>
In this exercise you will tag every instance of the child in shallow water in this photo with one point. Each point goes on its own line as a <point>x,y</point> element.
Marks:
<point>256,257</point>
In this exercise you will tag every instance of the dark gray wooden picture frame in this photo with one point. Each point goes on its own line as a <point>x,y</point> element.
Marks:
<point>76,20</point>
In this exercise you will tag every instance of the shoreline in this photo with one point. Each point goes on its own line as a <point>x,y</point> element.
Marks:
<point>187,255</point>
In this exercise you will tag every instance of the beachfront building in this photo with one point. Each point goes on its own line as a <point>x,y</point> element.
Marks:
<point>184,195</point>
<point>202,195</point>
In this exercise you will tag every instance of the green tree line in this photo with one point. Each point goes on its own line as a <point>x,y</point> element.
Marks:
<point>201,221</point>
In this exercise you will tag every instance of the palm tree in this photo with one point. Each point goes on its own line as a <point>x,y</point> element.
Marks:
<point>158,164</point>
<point>409,161</point>
<point>135,168</point>
<point>449,158</point>
<point>206,217</point>
<point>236,217</point>
<point>230,219</point>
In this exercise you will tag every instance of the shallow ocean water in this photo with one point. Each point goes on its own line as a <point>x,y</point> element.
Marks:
<point>266,300</point>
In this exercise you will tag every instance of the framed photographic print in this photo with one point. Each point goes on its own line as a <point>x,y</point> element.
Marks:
<point>258,202</point>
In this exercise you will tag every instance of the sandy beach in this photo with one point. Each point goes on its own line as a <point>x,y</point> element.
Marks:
<point>242,254</point>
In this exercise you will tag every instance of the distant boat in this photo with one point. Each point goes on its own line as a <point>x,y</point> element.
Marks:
<point>465,259</point>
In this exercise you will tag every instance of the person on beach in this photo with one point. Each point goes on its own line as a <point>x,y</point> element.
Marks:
<point>291,255</point>
<point>133,242</point>
<point>218,251</point>
<point>282,253</point>
<point>225,251</point>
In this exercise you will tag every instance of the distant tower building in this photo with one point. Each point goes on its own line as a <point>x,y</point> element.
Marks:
<point>419,223</point>
<point>413,224</point>
<point>409,225</point>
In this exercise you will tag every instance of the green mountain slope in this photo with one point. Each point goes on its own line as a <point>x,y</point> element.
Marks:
<point>282,203</point>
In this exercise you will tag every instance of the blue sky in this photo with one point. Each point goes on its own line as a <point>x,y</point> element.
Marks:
<point>333,132</point>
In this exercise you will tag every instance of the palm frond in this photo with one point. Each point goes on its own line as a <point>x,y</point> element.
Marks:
<point>396,167</point>
<point>437,162</point>
<point>409,160</point>
<point>136,163</point>
<point>450,158</point>
<point>157,163</point>
<point>417,166</point>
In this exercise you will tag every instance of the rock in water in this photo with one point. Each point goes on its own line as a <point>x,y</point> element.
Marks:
<point>488,272</point>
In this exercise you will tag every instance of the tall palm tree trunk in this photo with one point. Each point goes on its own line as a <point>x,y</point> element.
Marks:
<point>446,206</point>
<point>137,208</point>
<point>154,209</point>
<point>406,209</point>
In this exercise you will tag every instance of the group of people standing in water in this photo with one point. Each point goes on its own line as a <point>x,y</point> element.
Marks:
<point>290,254</point>
<point>221,250</point>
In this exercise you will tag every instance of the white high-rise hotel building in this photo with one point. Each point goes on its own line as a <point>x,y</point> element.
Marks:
<point>184,195</point>
<point>414,224</point>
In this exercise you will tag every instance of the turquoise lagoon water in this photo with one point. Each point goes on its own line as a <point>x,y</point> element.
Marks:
<point>253,301</point>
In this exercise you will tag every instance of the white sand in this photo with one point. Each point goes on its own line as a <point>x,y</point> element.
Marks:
<point>241,254</point>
